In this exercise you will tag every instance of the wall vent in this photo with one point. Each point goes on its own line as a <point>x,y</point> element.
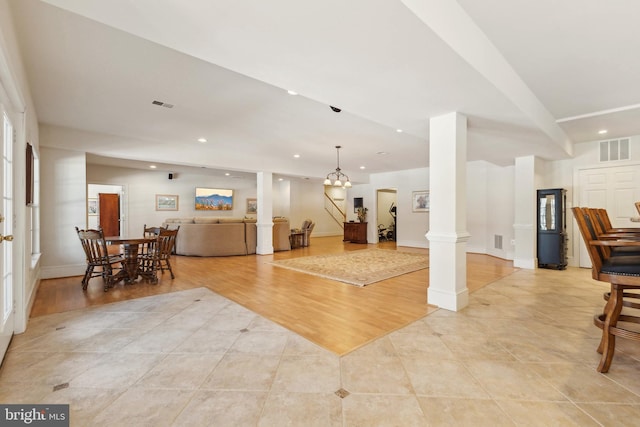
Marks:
<point>162,104</point>
<point>614,149</point>
<point>497,241</point>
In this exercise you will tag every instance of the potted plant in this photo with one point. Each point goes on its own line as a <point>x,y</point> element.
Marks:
<point>362,214</point>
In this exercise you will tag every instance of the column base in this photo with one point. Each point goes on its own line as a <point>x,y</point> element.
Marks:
<point>448,300</point>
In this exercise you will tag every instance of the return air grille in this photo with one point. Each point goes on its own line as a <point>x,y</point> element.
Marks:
<point>162,104</point>
<point>614,149</point>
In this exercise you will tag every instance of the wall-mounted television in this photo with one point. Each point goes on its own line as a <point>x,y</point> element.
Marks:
<point>213,199</point>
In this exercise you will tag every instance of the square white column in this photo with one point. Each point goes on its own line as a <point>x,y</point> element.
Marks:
<point>448,212</point>
<point>265,213</point>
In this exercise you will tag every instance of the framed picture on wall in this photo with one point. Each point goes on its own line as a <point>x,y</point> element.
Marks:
<point>357,203</point>
<point>166,202</point>
<point>420,201</point>
<point>92,206</point>
<point>214,199</point>
<point>252,206</point>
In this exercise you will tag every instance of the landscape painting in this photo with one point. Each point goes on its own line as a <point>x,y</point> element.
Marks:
<point>214,199</point>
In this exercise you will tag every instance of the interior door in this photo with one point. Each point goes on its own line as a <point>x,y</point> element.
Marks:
<point>615,189</point>
<point>7,316</point>
<point>109,213</point>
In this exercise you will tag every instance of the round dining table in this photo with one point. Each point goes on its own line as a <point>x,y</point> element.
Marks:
<point>131,266</point>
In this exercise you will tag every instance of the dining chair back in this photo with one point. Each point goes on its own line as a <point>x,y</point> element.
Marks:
<point>157,256</point>
<point>99,262</point>
<point>623,274</point>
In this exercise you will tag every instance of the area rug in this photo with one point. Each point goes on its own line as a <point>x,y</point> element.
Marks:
<point>361,267</point>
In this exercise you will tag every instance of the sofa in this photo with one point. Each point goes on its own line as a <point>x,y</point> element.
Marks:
<point>215,236</point>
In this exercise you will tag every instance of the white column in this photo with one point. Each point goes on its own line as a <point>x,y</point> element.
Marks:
<point>448,212</point>
<point>265,213</point>
<point>524,227</point>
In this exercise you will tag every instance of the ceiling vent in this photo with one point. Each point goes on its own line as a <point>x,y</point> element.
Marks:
<point>162,104</point>
<point>614,149</point>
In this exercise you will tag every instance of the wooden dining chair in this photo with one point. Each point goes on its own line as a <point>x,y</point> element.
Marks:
<point>157,256</point>
<point>623,274</point>
<point>152,231</point>
<point>99,262</point>
<point>603,220</point>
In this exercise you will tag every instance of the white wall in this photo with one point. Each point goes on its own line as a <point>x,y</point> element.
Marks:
<point>412,226</point>
<point>63,203</point>
<point>307,202</point>
<point>142,186</point>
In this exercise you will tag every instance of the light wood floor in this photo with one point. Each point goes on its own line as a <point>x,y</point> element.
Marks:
<point>334,315</point>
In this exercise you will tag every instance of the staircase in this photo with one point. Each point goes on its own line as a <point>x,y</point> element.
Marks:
<point>334,204</point>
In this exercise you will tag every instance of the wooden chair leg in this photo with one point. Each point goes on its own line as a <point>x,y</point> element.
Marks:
<point>87,275</point>
<point>612,314</point>
<point>170,270</point>
<point>607,309</point>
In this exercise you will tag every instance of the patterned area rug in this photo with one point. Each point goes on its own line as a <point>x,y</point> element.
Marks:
<point>361,267</point>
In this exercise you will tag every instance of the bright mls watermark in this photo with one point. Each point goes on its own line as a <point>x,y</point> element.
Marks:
<point>34,415</point>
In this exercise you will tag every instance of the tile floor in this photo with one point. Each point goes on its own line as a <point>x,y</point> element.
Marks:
<point>522,353</point>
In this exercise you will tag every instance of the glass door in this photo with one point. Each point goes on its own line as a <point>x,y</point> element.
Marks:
<point>6,227</point>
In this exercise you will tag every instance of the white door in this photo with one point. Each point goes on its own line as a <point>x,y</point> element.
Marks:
<point>615,189</point>
<point>6,228</point>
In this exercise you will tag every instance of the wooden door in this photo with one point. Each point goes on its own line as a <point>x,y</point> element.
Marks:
<point>109,213</point>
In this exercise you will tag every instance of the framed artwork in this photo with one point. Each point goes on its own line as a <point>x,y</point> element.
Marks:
<point>92,206</point>
<point>357,203</point>
<point>420,201</point>
<point>214,199</point>
<point>166,202</point>
<point>252,206</point>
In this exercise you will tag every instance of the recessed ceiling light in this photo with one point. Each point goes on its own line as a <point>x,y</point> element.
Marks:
<point>152,166</point>
<point>202,139</point>
<point>292,92</point>
<point>227,174</point>
<point>381,153</point>
<point>362,167</point>
<point>399,130</point>
<point>297,156</point>
<point>280,179</point>
<point>602,132</point>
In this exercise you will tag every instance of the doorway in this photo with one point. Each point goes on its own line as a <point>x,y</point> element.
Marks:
<point>105,208</point>
<point>386,215</point>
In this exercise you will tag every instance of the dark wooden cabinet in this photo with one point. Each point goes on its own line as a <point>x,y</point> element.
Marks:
<point>355,232</point>
<point>552,228</point>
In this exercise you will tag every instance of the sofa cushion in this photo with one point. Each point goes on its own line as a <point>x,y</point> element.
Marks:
<point>229,220</point>
<point>179,220</point>
<point>206,220</point>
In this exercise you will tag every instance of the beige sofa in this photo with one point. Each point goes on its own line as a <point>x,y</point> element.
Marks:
<point>214,236</point>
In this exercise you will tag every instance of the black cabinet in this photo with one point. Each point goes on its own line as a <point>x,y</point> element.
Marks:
<point>552,228</point>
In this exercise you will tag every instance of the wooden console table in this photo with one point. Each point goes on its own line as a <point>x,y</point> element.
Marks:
<point>355,232</point>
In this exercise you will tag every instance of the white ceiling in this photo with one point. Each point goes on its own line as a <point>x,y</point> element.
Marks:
<point>530,76</point>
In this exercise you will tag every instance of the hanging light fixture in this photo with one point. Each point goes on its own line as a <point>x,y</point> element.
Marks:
<point>338,175</point>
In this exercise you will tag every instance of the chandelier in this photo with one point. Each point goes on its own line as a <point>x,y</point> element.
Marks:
<point>338,175</point>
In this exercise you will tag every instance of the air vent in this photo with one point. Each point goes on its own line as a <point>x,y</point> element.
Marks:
<point>614,149</point>
<point>497,241</point>
<point>162,104</point>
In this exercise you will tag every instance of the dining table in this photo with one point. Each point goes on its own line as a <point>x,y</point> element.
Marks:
<point>131,266</point>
